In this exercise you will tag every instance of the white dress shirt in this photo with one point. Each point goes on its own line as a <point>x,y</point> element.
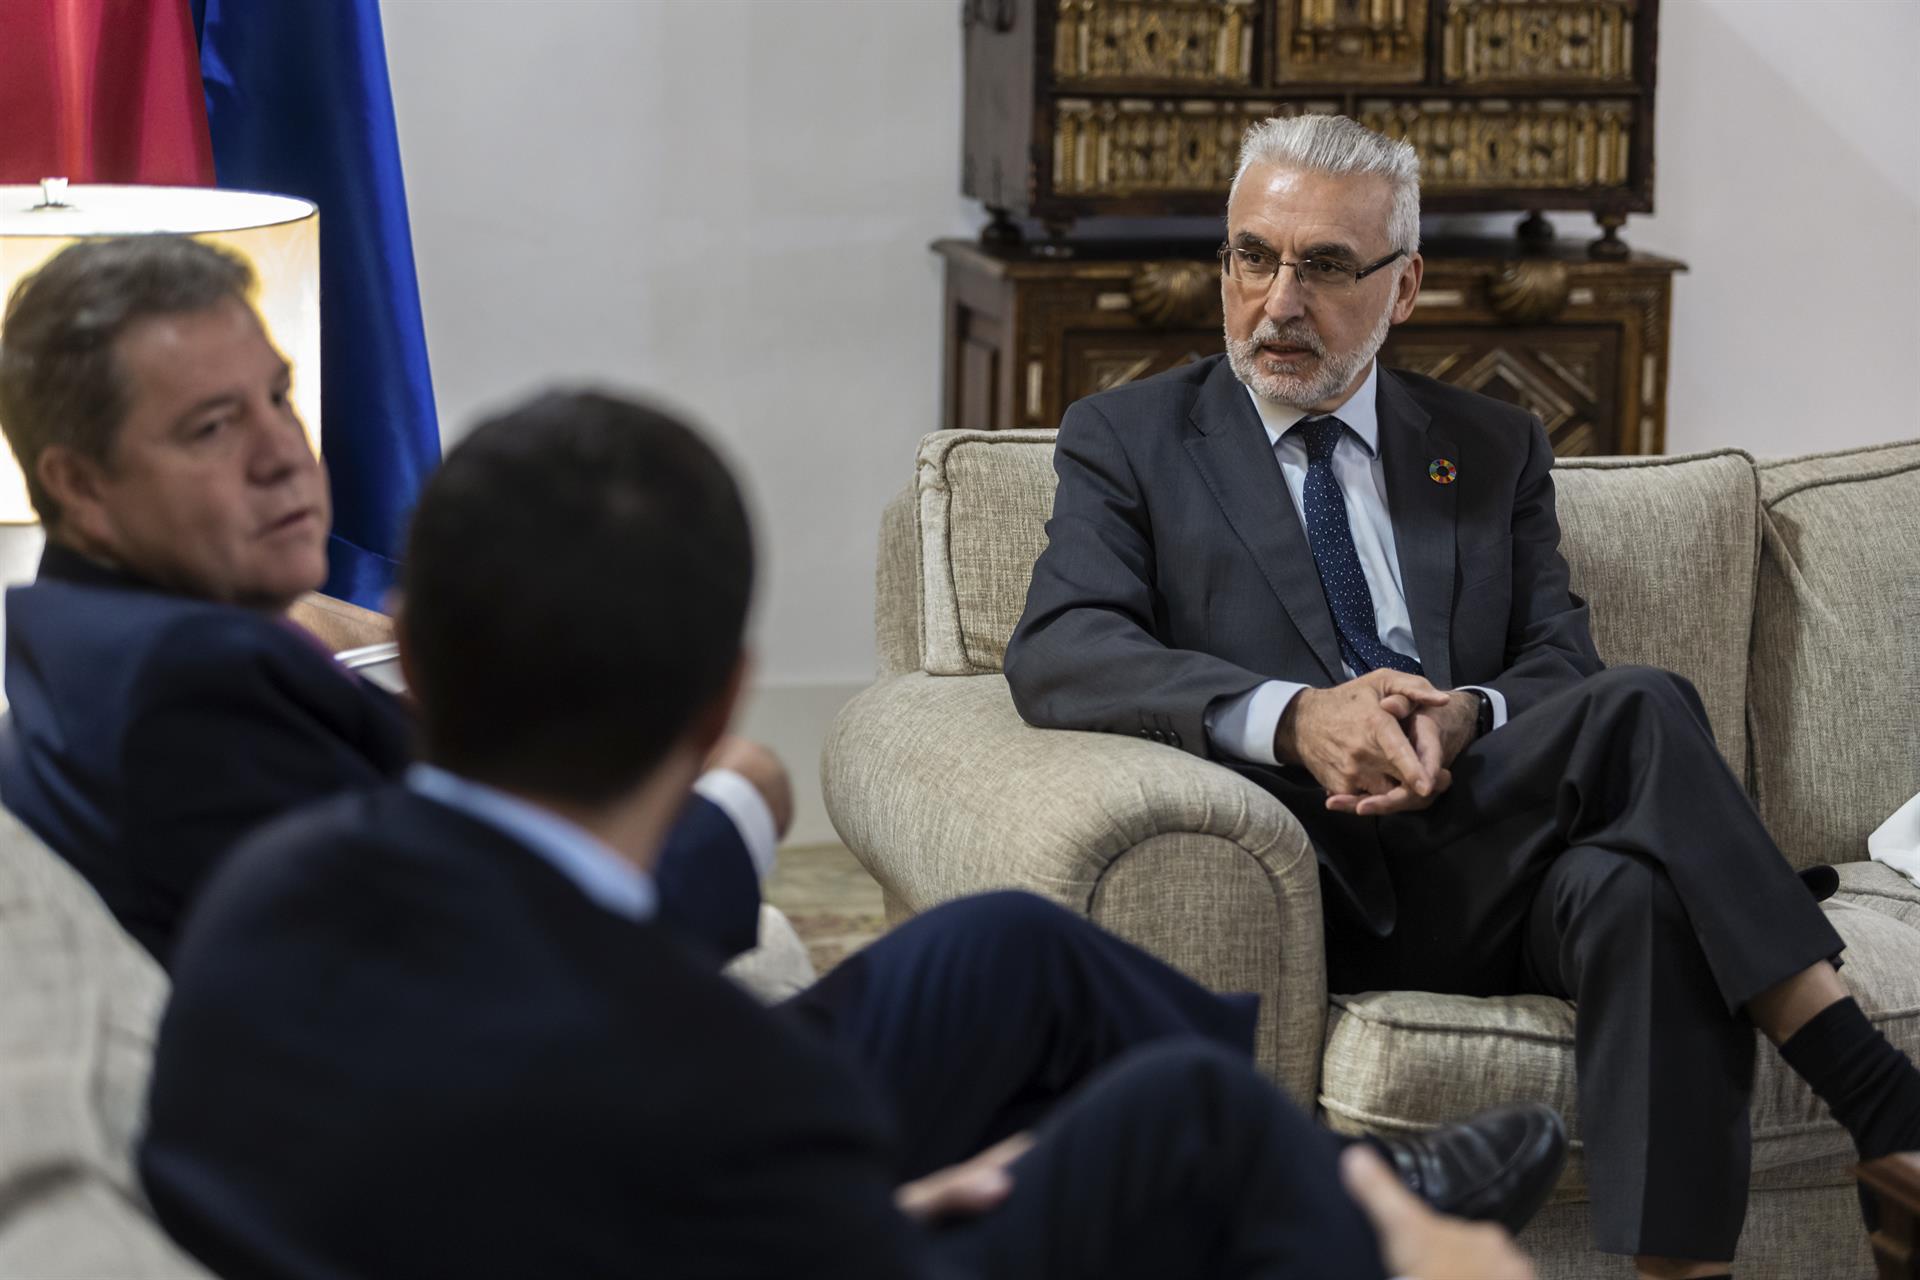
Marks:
<point>599,872</point>
<point>1243,727</point>
<point>572,850</point>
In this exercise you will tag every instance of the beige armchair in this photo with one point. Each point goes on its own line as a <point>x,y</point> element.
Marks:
<point>1805,651</point>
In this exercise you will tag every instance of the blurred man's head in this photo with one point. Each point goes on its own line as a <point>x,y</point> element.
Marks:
<point>573,599</point>
<point>150,415</point>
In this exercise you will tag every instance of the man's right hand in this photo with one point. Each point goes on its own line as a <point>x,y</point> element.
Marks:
<point>758,765</point>
<point>1351,740</point>
<point>1418,1243</point>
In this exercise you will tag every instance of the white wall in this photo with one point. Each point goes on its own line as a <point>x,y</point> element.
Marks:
<point>729,203</point>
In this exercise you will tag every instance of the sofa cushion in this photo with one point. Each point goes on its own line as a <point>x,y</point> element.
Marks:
<point>1401,1061</point>
<point>1665,551</point>
<point>1836,648</point>
<point>985,497</point>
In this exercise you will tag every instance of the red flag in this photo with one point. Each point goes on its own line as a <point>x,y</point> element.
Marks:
<point>102,91</point>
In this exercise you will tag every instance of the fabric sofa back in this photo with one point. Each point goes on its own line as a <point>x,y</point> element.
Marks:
<point>1836,648</point>
<point>1664,549</point>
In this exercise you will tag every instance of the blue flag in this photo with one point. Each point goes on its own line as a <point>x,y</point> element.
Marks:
<point>298,103</point>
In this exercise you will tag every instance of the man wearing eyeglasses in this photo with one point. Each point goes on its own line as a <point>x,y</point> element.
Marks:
<point>1345,583</point>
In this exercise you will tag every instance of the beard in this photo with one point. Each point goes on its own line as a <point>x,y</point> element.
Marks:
<point>1329,375</point>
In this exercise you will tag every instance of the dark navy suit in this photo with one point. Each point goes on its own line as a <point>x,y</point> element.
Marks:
<point>402,1044</point>
<point>150,731</point>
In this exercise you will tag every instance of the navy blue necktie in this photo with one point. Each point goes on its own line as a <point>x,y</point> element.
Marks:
<point>1334,556</point>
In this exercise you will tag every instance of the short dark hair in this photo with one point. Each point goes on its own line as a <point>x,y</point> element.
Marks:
<point>574,593</point>
<point>59,381</point>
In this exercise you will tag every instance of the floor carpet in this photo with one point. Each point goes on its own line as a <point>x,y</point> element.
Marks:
<point>832,901</point>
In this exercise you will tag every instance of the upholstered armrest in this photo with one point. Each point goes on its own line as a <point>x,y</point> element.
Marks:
<point>941,790</point>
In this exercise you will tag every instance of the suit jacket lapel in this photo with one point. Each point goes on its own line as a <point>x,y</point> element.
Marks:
<point>1423,520</point>
<point>1237,462</point>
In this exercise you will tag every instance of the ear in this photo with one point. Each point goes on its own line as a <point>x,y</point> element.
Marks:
<point>712,720</point>
<point>1407,288</point>
<point>77,484</point>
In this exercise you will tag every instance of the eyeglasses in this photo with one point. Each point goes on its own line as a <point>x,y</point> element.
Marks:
<point>1256,268</point>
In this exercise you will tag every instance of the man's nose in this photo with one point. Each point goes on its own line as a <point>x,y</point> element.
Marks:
<point>279,446</point>
<point>1286,299</point>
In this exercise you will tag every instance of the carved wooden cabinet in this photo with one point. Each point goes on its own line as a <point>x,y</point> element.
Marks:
<point>1579,341</point>
<point>1077,108</point>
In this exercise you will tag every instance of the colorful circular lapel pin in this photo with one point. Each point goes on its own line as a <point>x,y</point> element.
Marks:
<point>1442,471</point>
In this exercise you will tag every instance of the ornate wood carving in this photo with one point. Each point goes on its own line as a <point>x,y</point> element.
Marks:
<point>1175,294</point>
<point>1189,41</point>
<point>1508,41</point>
<point>1129,146</point>
<point>1352,41</point>
<point>1581,343</point>
<point>1528,290</point>
<point>1079,108</point>
<point>1511,144</point>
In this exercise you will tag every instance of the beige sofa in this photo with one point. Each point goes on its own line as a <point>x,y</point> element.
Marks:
<point>1788,592</point>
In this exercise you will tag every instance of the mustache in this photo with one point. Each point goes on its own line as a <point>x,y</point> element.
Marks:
<point>1295,333</point>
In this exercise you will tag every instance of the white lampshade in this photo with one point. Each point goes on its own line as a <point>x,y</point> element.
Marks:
<point>278,236</point>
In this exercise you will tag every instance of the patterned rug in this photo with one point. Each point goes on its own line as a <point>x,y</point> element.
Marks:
<point>832,901</point>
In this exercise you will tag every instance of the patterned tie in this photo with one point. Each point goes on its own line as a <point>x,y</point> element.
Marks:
<point>1333,554</point>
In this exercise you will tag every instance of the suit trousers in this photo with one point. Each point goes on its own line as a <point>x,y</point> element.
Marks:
<point>975,1018</point>
<point>1597,848</point>
<point>1177,1159</point>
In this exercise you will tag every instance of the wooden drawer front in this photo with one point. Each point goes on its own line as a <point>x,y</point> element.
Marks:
<point>1096,361</point>
<point>1568,376</point>
<point>1535,42</point>
<point>1187,42</point>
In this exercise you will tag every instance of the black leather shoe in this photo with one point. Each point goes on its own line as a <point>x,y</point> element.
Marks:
<point>1497,1167</point>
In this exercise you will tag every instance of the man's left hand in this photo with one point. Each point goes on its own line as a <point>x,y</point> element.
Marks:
<point>1438,735</point>
<point>964,1190</point>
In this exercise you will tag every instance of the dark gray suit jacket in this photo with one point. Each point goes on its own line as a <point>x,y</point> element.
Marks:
<point>1177,573</point>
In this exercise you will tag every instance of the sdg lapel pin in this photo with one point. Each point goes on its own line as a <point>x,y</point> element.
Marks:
<point>1442,471</point>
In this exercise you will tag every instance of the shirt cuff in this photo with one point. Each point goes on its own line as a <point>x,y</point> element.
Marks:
<point>1243,727</point>
<point>1497,698</point>
<point>747,809</point>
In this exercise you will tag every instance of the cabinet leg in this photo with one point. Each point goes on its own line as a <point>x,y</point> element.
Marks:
<point>1003,232</point>
<point>1609,247</point>
<point>1535,232</point>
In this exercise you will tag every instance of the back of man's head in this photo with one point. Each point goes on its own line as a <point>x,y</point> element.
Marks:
<point>60,383</point>
<point>574,596</point>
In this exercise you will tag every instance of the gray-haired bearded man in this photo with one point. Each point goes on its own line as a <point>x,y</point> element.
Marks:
<point>1248,559</point>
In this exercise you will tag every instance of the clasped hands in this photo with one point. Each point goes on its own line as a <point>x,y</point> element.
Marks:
<point>1379,744</point>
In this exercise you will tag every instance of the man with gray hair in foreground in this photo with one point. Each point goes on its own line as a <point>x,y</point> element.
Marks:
<point>1345,583</point>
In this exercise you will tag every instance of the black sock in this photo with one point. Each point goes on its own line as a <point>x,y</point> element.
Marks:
<point>1870,1086</point>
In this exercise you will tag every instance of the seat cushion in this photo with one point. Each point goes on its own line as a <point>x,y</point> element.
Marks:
<point>1399,1061</point>
<point>1836,648</point>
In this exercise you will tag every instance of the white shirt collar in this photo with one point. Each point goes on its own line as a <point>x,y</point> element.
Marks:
<point>1361,412</point>
<point>568,848</point>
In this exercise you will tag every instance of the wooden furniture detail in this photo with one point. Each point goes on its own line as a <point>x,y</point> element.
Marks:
<point>1077,108</point>
<point>1580,342</point>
